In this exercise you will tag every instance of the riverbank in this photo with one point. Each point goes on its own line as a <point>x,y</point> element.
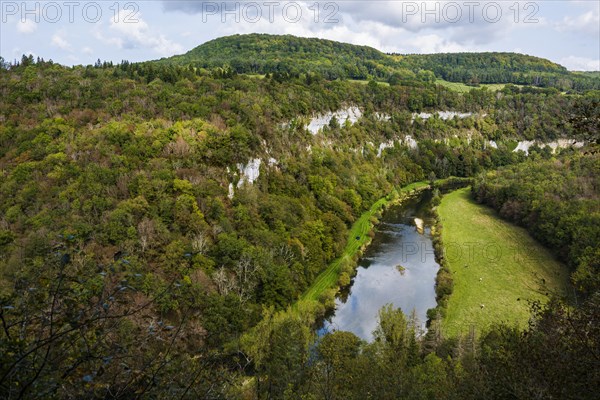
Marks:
<point>358,240</point>
<point>496,267</point>
<point>397,268</point>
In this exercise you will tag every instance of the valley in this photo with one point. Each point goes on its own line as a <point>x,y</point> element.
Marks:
<point>398,267</point>
<point>181,228</point>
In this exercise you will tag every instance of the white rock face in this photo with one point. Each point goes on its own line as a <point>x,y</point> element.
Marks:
<point>451,114</point>
<point>524,145</point>
<point>422,115</point>
<point>445,115</point>
<point>382,116</point>
<point>386,145</point>
<point>493,144</point>
<point>351,114</point>
<point>250,172</point>
<point>563,144</point>
<point>410,142</point>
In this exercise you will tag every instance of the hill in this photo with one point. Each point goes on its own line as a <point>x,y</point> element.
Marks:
<point>287,54</point>
<point>475,68</point>
<point>262,53</point>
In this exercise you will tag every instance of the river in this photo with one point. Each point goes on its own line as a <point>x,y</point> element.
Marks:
<point>380,280</point>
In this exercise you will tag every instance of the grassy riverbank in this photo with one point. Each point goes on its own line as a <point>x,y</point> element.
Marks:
<point>328,278</point>
<point>497,267</point>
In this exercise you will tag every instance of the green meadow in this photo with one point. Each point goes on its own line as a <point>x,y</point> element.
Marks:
<point>497,268</point>
<point>462,88</point>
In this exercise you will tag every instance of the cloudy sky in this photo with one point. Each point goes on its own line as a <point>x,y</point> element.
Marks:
<point>81,31</point>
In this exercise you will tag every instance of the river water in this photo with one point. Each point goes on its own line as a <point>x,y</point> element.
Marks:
<point>379,281</point>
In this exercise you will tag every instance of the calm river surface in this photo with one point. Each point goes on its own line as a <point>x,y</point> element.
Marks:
<point>378,280</point>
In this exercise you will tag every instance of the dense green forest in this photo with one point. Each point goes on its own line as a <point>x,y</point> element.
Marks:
<point>286,54</point>
<point>476,68</point>
<point>139,260</point>
<point>261,54</point>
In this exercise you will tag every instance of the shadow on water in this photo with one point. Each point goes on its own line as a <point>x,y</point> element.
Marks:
<point>398,267</point>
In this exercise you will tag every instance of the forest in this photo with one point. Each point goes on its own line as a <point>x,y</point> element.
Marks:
<point>519,69</point>
<point>139,260</point>
<point>287,54</point>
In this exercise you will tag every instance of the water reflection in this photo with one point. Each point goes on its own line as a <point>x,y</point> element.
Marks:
<point>380,281</point>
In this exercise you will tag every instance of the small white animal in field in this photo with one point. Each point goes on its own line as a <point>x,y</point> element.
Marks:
<point>480,279</point>
<point>482,305</point>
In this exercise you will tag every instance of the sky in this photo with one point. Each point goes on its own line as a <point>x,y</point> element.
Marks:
<point>80,32</point>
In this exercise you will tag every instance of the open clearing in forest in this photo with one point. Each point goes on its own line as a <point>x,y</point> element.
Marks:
<point>463,88</point>
<point>496,266</point>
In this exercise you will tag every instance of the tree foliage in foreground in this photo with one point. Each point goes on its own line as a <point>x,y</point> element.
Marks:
<point>556,357</point>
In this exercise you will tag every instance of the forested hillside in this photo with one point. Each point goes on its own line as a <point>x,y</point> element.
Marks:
<point>476,68</point>
<point>286,54</point>
<point>155,218</point>
<point>261,54</point>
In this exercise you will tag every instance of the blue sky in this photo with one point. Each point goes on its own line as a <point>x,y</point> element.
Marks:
<point>80,32</point>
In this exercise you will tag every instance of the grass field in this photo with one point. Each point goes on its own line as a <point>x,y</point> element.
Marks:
<point>494,264</point>
<point>462,88</point>
<point>328,278</point>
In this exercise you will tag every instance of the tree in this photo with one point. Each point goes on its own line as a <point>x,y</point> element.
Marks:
<point>338,372</point>
<point>278,347</point>
<point>586,116</point>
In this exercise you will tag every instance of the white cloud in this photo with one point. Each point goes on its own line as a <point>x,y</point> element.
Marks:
<point>112,41</point>
<point>137,35</point>
<point>384,37</point>
<point>368,34</point>
<point>59,40</point>
<point>462,23</point>
<point>434,43</point>
<point>87,50</point>
<point>588,22</point>
<point>386,25</point>
<point>574,63</point>
<point>26,26</point>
